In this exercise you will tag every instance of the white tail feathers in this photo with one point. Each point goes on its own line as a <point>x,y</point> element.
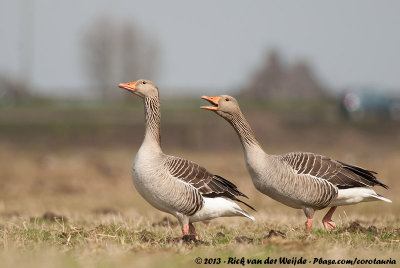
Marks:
<point>244,213</point>
<point>377,196</point>
<point>356,195</point>
<point>219,207</point>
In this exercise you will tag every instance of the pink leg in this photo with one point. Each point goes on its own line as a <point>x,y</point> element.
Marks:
<point>328,223</point>
<point>185,229</point>
<point>192,231</point>
<point>308,224</point>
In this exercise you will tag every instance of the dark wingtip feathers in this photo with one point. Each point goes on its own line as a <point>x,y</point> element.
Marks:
<point>238,200</point>
<point>230,186</point>
<point>365,174</point>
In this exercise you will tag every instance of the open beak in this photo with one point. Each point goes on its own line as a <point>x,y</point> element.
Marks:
<point>213,100</point>
<point>128,86</point>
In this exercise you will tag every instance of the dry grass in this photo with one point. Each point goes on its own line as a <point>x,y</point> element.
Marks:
<point>103,222</point>
<point>118,240</point>
<point>68,201</point>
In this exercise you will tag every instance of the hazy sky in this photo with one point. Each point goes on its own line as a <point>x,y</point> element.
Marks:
<point>211,44</point>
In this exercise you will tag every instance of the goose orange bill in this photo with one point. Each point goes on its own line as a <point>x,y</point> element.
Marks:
<point>213,100</point>
<point>128,86</point>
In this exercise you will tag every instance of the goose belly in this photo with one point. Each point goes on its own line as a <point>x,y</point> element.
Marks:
<point>265,182</point>
<point>152,190</point>
<point>298,192</point>
<point>282,197</point>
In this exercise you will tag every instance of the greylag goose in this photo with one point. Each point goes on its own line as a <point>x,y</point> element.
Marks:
<point>299,180</point>
<point>175,185</point>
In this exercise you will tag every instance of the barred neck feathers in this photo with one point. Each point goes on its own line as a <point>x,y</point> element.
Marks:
<point>244,131</point>
<point>153,121</point>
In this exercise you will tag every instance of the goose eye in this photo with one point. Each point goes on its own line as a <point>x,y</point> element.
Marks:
<point>226,99</point>
<point>144,82</point>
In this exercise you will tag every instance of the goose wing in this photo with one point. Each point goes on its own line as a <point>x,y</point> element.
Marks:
<point>207,184</point>
<point>340,174</point>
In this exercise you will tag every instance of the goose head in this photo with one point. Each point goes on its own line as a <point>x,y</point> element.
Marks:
<point>142,88</point>
<point>224,105</point>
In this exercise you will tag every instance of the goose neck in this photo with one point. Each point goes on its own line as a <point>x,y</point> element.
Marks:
<point>245,133</point>
<point>152,121</point>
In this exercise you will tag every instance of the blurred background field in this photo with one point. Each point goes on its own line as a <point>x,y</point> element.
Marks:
<point>59,154</point>
<point>305,80</point>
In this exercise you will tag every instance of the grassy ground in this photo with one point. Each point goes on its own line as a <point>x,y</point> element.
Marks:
<point>67,200</point>
<point>106,241</point>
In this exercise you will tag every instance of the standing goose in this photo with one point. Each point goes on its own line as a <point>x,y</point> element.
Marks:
<point>300,180</point>
<point>175,185</point>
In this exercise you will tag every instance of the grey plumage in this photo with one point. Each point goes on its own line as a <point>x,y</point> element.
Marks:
<point>172,184</point>
<point>300,180</point>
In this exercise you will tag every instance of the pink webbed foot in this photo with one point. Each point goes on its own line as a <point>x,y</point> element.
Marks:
<point>189,233</point>
<point>327,221</point>
<point>329,225</point>
<point>185,229</point>
<point>192,231</point>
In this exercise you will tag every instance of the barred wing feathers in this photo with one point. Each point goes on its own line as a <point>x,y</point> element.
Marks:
<point>206,184</point>
<point>340,174</point>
